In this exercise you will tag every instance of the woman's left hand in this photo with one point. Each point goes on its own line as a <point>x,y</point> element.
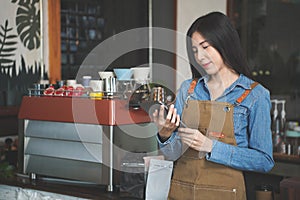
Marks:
<point>195,139</point>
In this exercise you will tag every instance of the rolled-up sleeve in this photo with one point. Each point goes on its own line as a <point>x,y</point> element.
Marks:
<point>171,148</point>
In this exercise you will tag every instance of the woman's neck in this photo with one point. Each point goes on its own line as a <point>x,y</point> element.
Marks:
<point>224,78</point>
<point>217,83</point>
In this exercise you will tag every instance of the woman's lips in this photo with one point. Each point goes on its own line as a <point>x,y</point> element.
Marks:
<point>205,65</point>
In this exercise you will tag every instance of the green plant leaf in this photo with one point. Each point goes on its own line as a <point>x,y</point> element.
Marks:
<point>8,49</point>
<point>5,61</point>
<point>11,36</point>
<point>28,24</point>
<point>6,170</point>
<point>7,55</point>
<point>11,43</point>
<point>7,46</point>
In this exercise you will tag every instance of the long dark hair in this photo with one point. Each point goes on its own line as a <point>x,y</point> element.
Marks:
<point>217,29</point>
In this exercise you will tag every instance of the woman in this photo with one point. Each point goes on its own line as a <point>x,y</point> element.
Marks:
<point>225,116</point>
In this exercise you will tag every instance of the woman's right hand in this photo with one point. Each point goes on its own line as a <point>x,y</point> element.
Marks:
<point>167,125</point>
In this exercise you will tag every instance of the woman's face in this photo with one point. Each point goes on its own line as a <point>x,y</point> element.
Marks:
<point>206,56</point>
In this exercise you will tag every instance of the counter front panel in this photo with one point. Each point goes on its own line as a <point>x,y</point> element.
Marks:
<point>81,138</point>
<point>81,110</point>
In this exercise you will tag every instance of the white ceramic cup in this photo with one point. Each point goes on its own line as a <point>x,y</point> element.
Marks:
<point>104,75</point>
<point>86,80</point>
<point>140,73</point>
<point>71,83</point>
<point>96,85</point>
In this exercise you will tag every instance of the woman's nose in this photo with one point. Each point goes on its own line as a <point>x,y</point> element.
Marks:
<point>200,54</point>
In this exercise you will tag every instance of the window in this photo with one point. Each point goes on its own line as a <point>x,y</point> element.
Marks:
<point>270,35</point>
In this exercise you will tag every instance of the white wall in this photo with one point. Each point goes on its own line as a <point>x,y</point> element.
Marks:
<point>45,33</point>
<point>187,12</point>
<point>8,11</point>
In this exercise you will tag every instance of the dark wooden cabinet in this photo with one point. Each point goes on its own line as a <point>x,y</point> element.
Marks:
<point>114,17</point>
<point>85,24</point>
<point>82,27</point>
<point>8,120</point>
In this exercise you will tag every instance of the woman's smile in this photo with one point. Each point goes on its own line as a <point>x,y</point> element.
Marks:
<point>206,65</point>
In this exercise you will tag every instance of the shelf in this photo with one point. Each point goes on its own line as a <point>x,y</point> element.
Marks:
<point>79,13</point>
<point>82,28</point>
<point>286,158</point>
<point>85,24</point>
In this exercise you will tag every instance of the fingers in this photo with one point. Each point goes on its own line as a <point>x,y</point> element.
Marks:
<point>155,113</point>
<point>188,134</point>
<point>188,130</point>
<point>162,112</point>
<point>191,137</point>
<point>174,116</point>
<point>155,116</point>
<point>172,120</point>
<point>171,112</point>
<point>177,120</point>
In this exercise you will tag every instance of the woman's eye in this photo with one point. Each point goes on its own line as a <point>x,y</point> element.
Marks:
<point>205,46</point>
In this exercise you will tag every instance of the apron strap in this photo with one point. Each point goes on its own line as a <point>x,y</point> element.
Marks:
<point>245,94</point>
<point>192,86</point>
<point>237,102</point>
<point>191,90</point>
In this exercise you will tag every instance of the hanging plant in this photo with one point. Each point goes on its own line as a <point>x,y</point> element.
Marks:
<point>6,170</point>
<point>7,46</point>
<point>28,23</point>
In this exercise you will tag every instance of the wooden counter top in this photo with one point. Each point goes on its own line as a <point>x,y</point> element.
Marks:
<point>81,110</point>
<point>286,158</point>
<point>286,165</point>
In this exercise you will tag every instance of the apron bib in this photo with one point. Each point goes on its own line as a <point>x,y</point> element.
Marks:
<point>195,178</point>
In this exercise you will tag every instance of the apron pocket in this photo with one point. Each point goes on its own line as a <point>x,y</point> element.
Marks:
<point>180,190</point>
<point>215,192</point>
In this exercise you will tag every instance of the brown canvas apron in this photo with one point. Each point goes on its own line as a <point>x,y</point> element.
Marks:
<point>197,178</point>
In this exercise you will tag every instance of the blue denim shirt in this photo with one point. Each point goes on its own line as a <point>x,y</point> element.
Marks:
<point>252,127</point>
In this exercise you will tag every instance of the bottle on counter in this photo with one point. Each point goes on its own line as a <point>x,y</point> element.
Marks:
<point>280,138</point>
<point>279,128</point>
<point>282,148</point>
<point>289,148</point>
<point>277,139</point>
<point>86,81</point>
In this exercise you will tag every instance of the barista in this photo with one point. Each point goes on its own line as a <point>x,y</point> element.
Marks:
<point>227,116</point>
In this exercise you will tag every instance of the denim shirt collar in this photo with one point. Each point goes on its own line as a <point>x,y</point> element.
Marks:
<point>242,81</point>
